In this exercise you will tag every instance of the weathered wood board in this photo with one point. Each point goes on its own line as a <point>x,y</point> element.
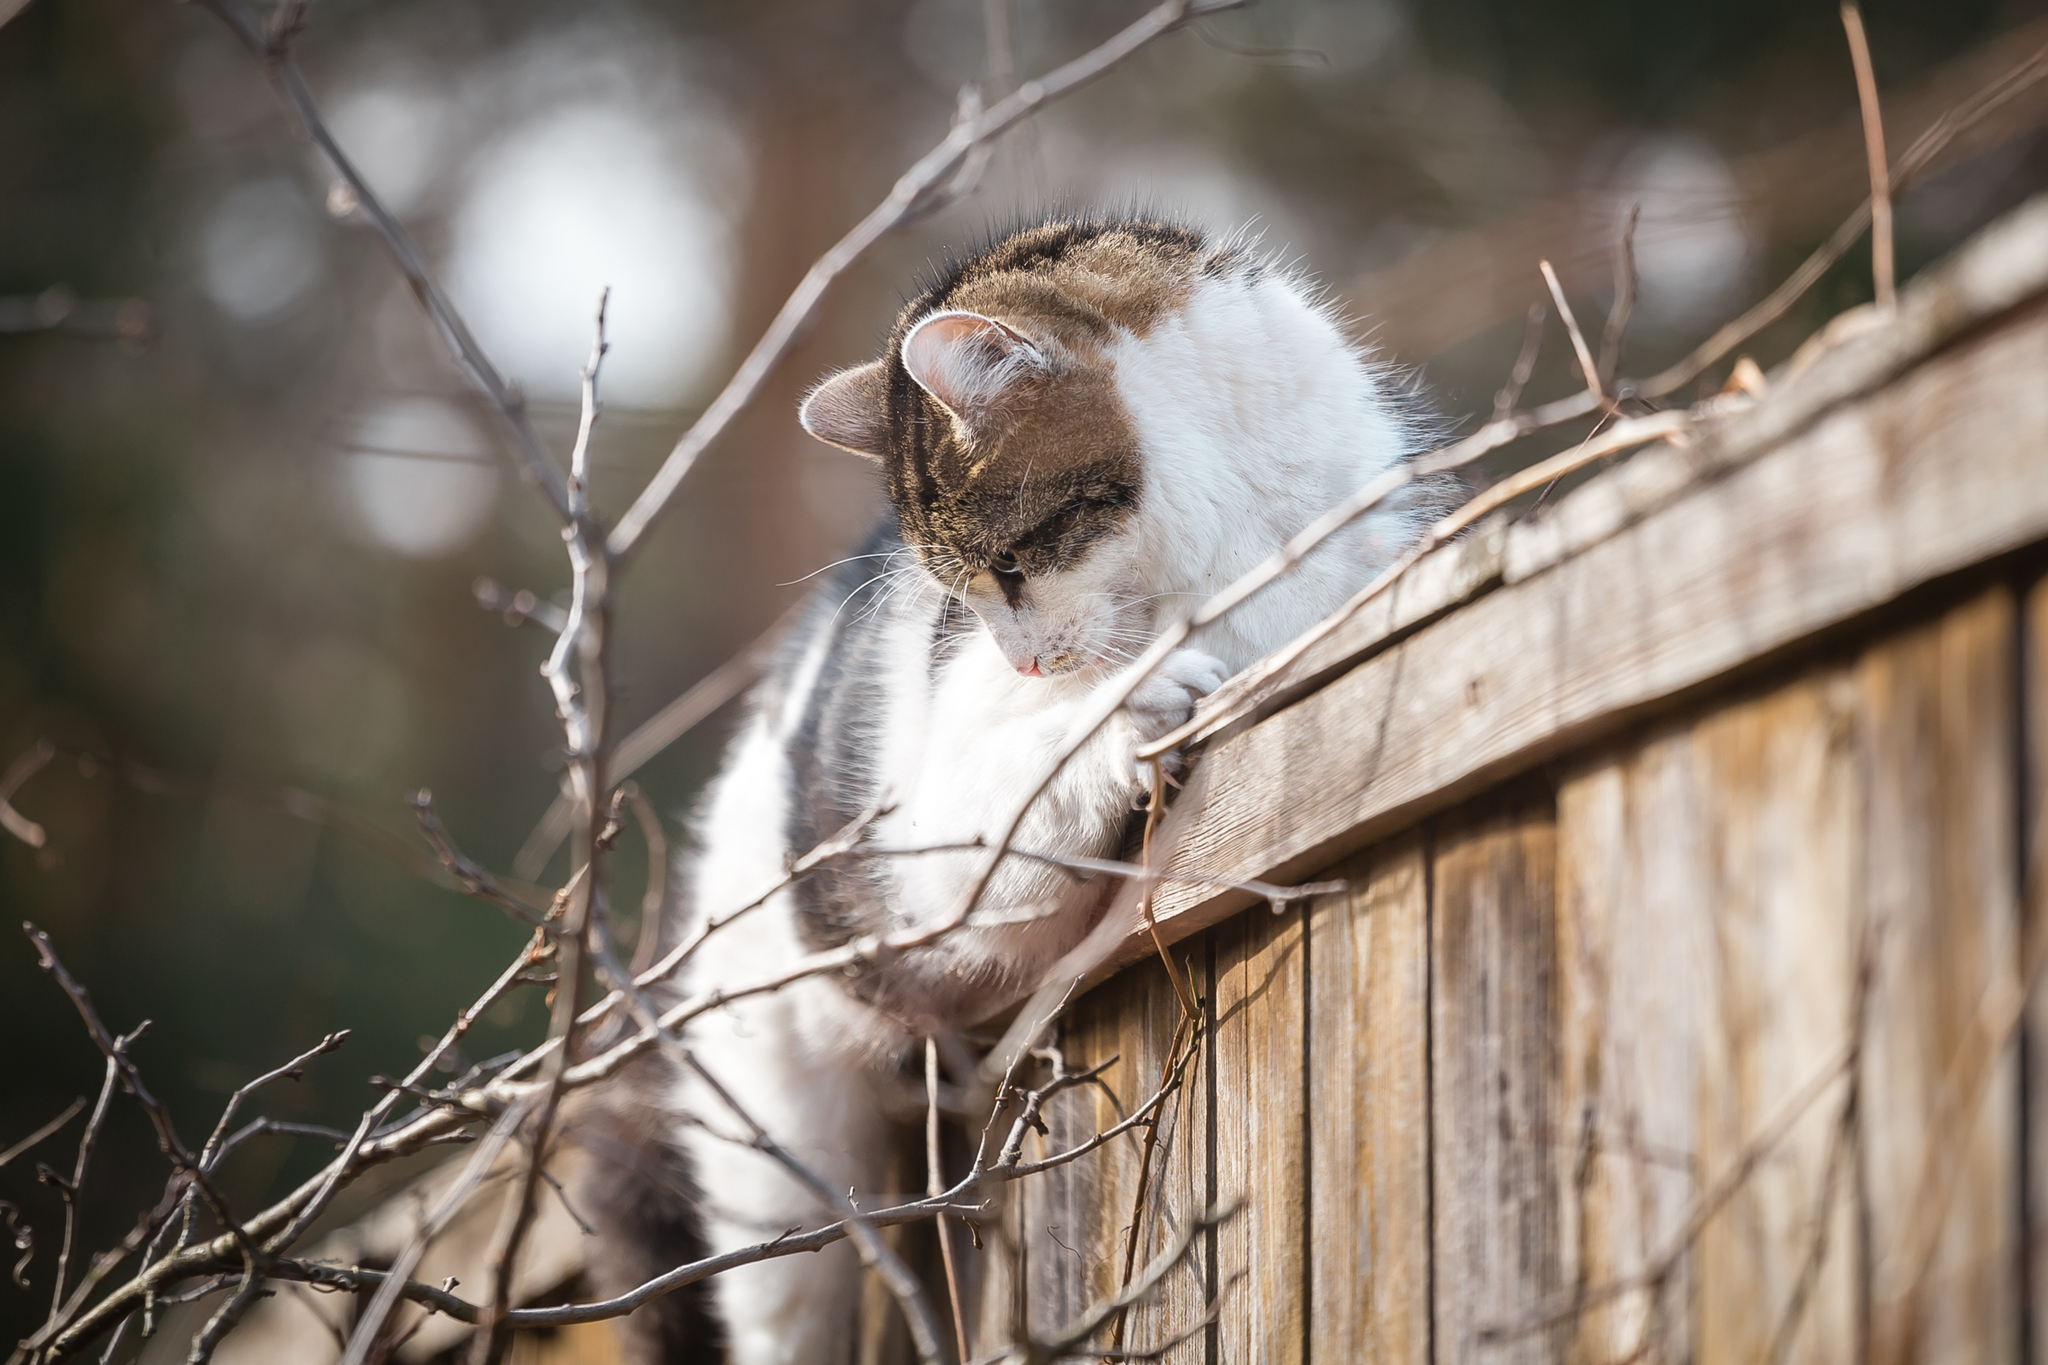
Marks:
<point>1262,1135</point>
<point>1494,1075</point>
<point>1368,1106</point>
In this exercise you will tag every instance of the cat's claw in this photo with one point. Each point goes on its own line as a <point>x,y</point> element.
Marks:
<point>1164,701</point>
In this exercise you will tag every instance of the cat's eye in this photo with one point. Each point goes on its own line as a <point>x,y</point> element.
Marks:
<point>1002,561</point>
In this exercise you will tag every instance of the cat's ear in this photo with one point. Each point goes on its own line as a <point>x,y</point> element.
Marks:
<point>851,410</point>
<point>978,367</point>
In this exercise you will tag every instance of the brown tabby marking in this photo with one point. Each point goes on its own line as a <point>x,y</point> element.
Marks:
<point>1062,468</point>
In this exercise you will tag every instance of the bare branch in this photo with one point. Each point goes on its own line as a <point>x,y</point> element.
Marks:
<point>1884,273</point>
<point>935,1186</point>
<point>471,878</point>
<point>87,1141</point>
<point>1704,1207</point>
<point>1525,364</point>
<point>1587,366</point>
<point>21,770</point>
<point>389,1290</point>
<point>1915,160</point>
<point>273,49</point>
<point>583,704</point>
<point>292,1070</point>
<point>70,1112</point>
<point>2001,1009</point>
<point>874,1252</point>
<point>1071,1339</point>
<point>115,1051</point>
<point>1621,436</point>
<point>660,730</point>
<point>1625,282</point>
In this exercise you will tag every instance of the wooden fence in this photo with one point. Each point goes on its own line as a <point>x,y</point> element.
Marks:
<point>1666,1015</point>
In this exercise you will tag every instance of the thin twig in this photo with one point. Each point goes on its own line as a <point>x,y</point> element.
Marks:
<point>1704,1207</point>
<point>1625,284</point>
<point>87,1141</point>
<point>452,1199</point>
<point>471,878</point>
<point>21,770</point>
<point>583,705</point>
<point>1186,1032</point>
<point>212,1153</point>
<point>1154,809</point>
<point>1525,364</point>
<point>271,46</point>
<point>656,895</point>
<point>874,1252</point>
<point>935,1187</point>
<point>115,1051</point>
<point>70,1111</point>
<point>294,1069</point>
<point>660,730</point>
<point>1587,365</point>
<point>1071,1339</point>
<point>1883,272</point>
<point>1915,160</point>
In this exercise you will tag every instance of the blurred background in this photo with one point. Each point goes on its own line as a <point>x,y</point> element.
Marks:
<point>244,496</point>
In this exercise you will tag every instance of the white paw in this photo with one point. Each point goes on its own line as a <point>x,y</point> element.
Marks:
<point>1166,699</point>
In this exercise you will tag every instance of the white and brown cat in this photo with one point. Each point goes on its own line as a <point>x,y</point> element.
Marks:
<point>1085,429</point>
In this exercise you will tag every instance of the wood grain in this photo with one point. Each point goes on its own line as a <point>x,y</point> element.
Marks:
<point>1939,739</point>
<point>1262,1137</point>
<point>1063,1231</point>
<point>1709,903</point>
<point>1494,1081</point>
<point>1176,1185</point>
<point>1368,1106</point>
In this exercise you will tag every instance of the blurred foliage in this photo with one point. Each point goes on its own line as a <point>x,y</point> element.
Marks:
<point>191,571</point>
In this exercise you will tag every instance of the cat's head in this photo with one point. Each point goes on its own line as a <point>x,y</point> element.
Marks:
<point>1012,460</point>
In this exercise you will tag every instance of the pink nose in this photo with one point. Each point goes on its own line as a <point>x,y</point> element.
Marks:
<point>1029,668</point>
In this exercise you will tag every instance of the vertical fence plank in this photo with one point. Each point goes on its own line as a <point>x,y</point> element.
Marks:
<point>1627,964</point>
<point>2034,800</point>
<point>1065,1208</point>
<point>1708,903</point>
<point>1060,1245</point>
<point>1494,1074</point>
<point>1261,1136</point>
<point>1368,1104</point>
<point>1176,1179</point>
<point>1939,718</point>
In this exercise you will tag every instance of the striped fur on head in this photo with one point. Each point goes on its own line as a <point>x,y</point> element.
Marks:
<point>993,410</point>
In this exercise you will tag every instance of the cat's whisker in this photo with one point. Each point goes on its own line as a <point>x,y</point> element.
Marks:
<point>878,554</point>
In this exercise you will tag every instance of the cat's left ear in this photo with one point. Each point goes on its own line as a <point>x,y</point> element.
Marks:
<point>851,410</point>
<point>981,369</point>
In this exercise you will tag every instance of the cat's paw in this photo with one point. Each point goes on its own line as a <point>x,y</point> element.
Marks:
<point>1165,700</point>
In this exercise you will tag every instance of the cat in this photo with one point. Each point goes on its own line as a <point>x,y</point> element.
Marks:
<point>1084,429</point>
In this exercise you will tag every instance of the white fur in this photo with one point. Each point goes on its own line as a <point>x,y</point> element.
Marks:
<point>1254,415</point>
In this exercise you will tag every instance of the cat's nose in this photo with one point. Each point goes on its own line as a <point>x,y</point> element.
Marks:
<point>1029,668</point>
